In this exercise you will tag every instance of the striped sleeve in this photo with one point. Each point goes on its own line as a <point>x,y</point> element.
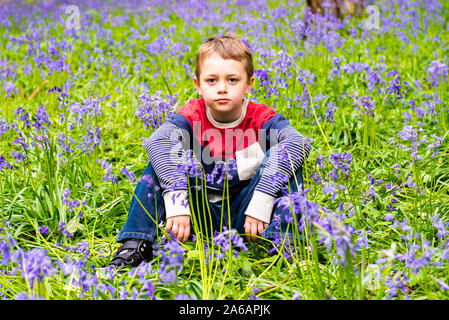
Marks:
<point>165,149</point>
<point>285,157</point>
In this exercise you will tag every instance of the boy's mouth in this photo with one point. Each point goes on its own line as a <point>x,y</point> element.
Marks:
<point>222,100</point>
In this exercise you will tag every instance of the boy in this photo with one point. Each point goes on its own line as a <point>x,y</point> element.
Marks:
<point>228,134</point>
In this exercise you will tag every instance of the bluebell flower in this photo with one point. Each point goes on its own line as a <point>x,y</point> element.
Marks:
<point>9,87</point>
<point>321,160</point>
<point>35,265</point>
<point>329,188</point>
<point>332,230</point>
<point>23,115</point>
<point>4,164</point>
<point>42,119</point>
<point>62,227</point>
<point>153,110</point>
<point>330,111</point>
<point>183,296</point>
<point>362,240</point>
<point>436,73</point>
<point>108,175</point>
<point>25,296</point>
<point>369,195</point>
<point>434,146</point>
<point>43,230</point>
<point>148,289</point>
<point>408,133</point>
<point>440,226</point>
<point>365,104</point>
<point>226,240</point>
<point>171,253</point>
<point>317,179</point>
<point>129,174</point>
<point>394,86</point>
<point>5,251</point>
<point>442,285</point>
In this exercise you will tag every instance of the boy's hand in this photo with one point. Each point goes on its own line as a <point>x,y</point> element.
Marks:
<point>180,226</point>
<point>254,227</point>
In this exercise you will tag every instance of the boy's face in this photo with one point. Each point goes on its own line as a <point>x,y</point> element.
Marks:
<point>223,83</point>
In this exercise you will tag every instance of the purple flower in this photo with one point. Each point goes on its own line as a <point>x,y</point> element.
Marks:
<point>264,81</point>
<point>5,252</point>
<point>108,175</point>
<point>329,188</point>
<point>296,296</point>
<point>70,203</point>
<point>394,86</point>
<point>24,296</point>
<point>374,80</point>
<point>365,104</point>
<point>331,228</point>
<point>225,240</point>
<point>408,133</point>
<point>341,161</point>
<point>434,146</point>
<point>23,115</point>
<point>317,179</point>
<point>336,61</point>
<point>3,126</point>
<point>18,155</point>
<point>65,194</point>
<point>330,111</point>
<point>437,72</point>
<point>4,164</point>
<point>320,160</point>
<point>44,230</point>
<point>146,178</point>
<point>129,174</point>
<point>405,226</point>
<point>183,296</point>
<point>42,118</point>
<point>440,226</point>
<point>394,284</point>
<point>154,110</point>
<point>9,87</point>
<point>441,284</point>
<point>62,227</point>
<point>369,195</point>
<point>188,167</point>
<point>171,253</point>
<point>148,288</point>
<point>362,240</point>
<point>35,265</point>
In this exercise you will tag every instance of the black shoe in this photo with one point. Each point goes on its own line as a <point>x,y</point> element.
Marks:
<point>132,253</point>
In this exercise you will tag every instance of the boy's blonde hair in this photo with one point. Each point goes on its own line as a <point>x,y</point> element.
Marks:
<point>228,46</point>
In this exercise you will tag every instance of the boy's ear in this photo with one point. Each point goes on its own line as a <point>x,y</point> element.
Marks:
<point>250,84</point>
<point>197,86</point>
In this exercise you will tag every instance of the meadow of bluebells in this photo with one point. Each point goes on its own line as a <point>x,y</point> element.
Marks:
<point>79,93</point>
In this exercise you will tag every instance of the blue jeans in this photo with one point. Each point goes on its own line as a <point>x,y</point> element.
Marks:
<point>140,225</point>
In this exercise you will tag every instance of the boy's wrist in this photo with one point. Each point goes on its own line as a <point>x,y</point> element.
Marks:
<point>261,206</point>
<point>176,203</point>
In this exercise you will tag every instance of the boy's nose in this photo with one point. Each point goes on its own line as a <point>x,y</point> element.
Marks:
<point>222,86</point>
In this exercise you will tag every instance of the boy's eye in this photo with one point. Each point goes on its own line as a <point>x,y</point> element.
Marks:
<point>231,80</point>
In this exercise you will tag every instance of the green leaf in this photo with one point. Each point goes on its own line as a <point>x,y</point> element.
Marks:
<point>74,225</point>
